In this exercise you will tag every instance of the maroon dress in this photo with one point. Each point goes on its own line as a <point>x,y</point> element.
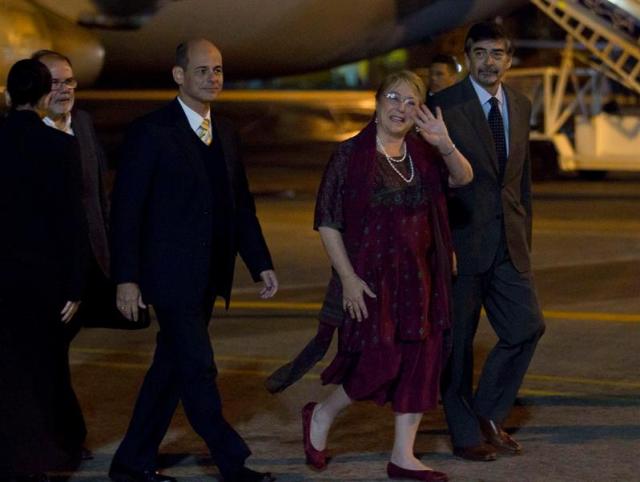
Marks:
<point>398,240</point>
<point>374,360</point>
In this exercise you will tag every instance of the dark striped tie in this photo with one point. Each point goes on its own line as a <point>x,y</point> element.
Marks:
<point>497,130</point>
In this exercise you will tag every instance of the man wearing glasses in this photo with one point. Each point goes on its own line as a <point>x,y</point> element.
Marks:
<point>62,116</point>
<point>491,226</point>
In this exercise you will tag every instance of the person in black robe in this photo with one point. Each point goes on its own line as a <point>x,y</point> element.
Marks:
<point>43,252</point>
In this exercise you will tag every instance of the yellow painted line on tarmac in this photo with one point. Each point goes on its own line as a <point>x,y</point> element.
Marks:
<point>313,376</point>
<point>112,351</point>
<point>281,361</point>
<point>526,392</point>
<point>148,354</point>
<point>223,370</point>
<point>262,373</point>
<point>583,381</point>
<point>598,227</point>
<point>550,314</point>
<point>105,364</point>
<point>593,316</point>
<point>275,305</point>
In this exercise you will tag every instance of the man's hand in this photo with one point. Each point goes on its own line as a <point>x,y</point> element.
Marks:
<point>69,310</point>
<point>128,300</point>
<point>270,284</point>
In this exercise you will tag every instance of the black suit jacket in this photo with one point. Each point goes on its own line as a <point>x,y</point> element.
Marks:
<point>478,209</point>
<point>44,242</point>
<point>94,199</point>
<point>162,226</point>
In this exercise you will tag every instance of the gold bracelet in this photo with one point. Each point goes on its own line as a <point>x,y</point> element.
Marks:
<point>453,148</point>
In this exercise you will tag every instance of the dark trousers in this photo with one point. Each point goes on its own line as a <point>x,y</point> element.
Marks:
<point>183,369</point>
<point>72,423</point>
<point>511,304</point>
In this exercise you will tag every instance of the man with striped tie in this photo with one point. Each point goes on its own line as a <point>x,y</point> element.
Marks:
<point>181,212</point>
<point>491,227</point>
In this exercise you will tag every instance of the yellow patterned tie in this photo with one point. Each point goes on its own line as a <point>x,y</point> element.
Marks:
<point>204,133</point>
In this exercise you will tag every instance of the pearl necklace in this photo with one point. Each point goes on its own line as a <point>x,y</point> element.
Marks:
<point>389,158</point>
<point>393,161</point>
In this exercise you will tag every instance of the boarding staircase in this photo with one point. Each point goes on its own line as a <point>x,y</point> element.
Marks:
<point>609,29</point>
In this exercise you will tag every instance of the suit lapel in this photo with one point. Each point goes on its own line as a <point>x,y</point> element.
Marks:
<point>87,155</point>
<point>518,123</point>
<point>473,111</point>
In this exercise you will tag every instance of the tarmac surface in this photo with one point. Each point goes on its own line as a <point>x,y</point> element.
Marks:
<point>577,415</point>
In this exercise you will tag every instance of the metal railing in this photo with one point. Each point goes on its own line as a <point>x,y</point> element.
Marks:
<point>616,50</point>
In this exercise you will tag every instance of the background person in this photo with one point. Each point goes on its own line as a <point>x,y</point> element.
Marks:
<point>443,73</point>
<point>62,115</point>
<point>43,253</point>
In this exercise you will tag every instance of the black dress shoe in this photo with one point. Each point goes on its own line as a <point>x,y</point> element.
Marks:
<point>477,453</point>
<point>248,475</point>
<point>497,437</point>
<point>118,473</point>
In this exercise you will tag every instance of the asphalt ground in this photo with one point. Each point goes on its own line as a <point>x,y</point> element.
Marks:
<point>577,415</point>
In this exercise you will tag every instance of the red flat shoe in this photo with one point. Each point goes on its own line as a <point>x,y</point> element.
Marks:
<point>317,459</point>
<point>395,472</point>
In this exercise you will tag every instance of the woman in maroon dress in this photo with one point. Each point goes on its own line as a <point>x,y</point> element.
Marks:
<point>381,214</point>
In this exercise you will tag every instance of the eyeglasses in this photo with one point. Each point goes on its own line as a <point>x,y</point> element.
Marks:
<point>57,84</point>
<point>396,100</point>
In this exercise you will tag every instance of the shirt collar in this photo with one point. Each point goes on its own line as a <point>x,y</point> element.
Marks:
<point>67,129</point>
<point>195,119</point>
<point>484,96</point>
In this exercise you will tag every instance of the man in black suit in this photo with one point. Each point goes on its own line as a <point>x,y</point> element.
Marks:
<point>491,225</point>
<point>182,210</point>
<point>62,116</point>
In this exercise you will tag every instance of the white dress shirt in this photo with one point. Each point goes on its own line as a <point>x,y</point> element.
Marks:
<point>67,129</point>
<point>195,119</point>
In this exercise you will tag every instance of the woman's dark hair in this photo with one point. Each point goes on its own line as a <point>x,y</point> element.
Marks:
<point>27,82</point>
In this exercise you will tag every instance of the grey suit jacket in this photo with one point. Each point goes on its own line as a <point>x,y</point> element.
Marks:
<point>480,210</point>
<point>94,198</point>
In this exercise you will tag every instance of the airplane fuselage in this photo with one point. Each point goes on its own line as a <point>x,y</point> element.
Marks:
<point>257,38</point>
